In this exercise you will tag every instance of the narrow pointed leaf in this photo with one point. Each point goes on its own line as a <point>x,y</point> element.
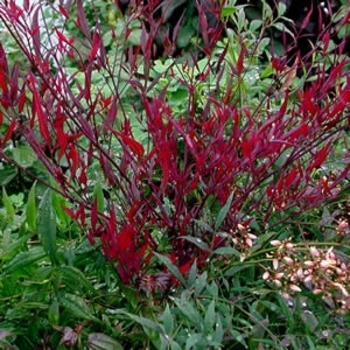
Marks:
<point>47,225</point>
<point>144,322</point>
<point>10,210</point>
<point>171,267</point>
<point>223,212</point>
<point>77,306</point>
<point>25,259</point>
<point>31,210</point>
<point>100,341</point>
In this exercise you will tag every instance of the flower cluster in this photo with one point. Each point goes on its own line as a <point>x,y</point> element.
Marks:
<point>325,272</point>
<point>243,239</point>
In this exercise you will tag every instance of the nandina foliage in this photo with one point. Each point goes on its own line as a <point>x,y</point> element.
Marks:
<point>147,176</point>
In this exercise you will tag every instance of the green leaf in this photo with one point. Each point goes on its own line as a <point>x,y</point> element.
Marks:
<point>196,341</point>
<point>203,225</point>
<point>192,275</point>
<point>58,204</point>
<point>74,278</point>
<point>33,305</point>
<point>100,341</point>
<point>190,312</point>
<point>281,8</point>
<point>255,24</point>
<point>235,269</point>
<point>201,283</point>
<point>168,320</point>
<point>77,306</point>
<point>10,250</point>
<point>7,175</point>
<point>54,312</point>
<point>219,331</point>
<point>227,251</point>
<point>228,11</point>
<point>286,311</point>
<point>310,343</point>
<point>263,44</point>
<point>31,211</point>
<point>25,259</point>
<point>267,72</point>
<point>241,20</point>
<point>47,225</point>
<point>238,336</point>
<point>171,267</point>
<point>210,318</point>
<point>10,210</point>
<point>223,212</point>
<point>98,194</point>
<point>197,241</point>
<point>169,343</point>
<point>24,156</point>
<point>144,322</point>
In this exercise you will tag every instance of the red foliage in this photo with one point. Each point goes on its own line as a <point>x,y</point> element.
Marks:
<point>193,162</point>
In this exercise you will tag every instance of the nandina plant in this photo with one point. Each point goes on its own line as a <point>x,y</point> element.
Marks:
<point>179,157</point>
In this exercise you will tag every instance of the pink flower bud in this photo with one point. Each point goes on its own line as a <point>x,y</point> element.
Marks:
<point>342,226</point>
<point>278,275</point>
<point>289,246</point>
<point>314,252</point>
<point>288,260</point>
<point>249,242</point>
<point>294,288</point>
<point>308,279</point>
<point>327,263</point>
<point>266,275</point>
<point>309,263</point>
<point>277,283</point>
<point>324,264</point>
<point>241,227</point>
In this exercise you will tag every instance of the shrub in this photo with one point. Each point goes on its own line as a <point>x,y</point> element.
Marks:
<point>195,135</point>
<point>175,164</point>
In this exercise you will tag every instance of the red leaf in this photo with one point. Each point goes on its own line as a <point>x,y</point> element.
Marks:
<point>112,221</point>
<point>63,11</point>
<point>10,131</point>
<point>82,177</point>
<point>22,100</point>
<point>44,130</point>
<point>35,30</point>
<point>203,22</point>
<point>277,64</point>
<point>185,268</point>
<point>240,61</point>
<point>3,81</point>
<point>81,20</point>
<point>95,46</point>
<point>135,146</point>
<point>125,239</point>
<point>296,133</point>
<point>70,212</point>
<point>320,157</point>
<point>62,37</point>
<point>62,137</point>
<point>73,159</point>
<point>306,20</point>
